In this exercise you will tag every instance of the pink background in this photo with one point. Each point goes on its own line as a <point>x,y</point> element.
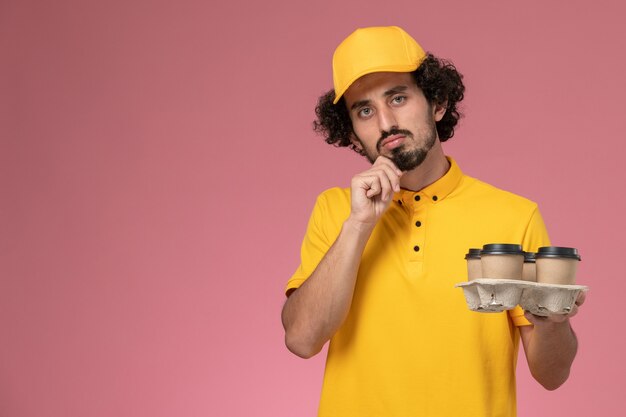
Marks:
<point>157,170</point>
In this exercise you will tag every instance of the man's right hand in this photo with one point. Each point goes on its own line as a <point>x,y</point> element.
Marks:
<point>315,311</point>
<point>372,191</point>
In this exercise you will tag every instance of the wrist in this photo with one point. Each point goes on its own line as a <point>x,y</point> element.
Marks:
<point>359,226</point>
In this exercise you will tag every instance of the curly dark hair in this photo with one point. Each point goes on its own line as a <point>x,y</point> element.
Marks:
<point>438,79</point>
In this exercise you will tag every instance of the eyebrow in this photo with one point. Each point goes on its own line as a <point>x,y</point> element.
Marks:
<point>394,90</point>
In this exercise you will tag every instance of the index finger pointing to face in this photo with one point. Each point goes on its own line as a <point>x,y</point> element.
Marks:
<point>382,160</point>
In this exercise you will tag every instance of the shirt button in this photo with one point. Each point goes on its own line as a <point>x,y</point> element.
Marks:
<point>434,198</point>
<point>418,223</point>
<point>416,248</point>
<point>417,198</point>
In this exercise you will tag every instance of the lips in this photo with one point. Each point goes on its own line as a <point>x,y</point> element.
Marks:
<point>393,141</point>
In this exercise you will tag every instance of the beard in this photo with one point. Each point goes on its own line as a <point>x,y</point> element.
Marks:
<point>407,156</point>
<point>407,160</point>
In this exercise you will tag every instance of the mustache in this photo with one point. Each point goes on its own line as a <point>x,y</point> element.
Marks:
<point>393,131</point>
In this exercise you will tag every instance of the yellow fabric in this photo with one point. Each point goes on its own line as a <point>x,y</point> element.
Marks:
<point>410,346</point>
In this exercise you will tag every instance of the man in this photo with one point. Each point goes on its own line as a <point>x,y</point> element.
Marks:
<point>380,259</point>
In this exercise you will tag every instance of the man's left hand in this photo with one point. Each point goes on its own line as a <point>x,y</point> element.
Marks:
<point>556,318</point>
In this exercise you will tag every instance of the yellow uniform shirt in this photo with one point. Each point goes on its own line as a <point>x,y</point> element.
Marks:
<point>410,346</point>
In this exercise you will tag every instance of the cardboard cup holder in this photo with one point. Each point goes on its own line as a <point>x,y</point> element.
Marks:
<point>495,295</point>
<point>545,299</point>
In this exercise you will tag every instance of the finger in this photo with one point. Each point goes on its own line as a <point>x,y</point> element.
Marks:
<point>364,182</point>
<point>379,184</point>
<point>551,318</point>
<point>393,174</point>
<point>580,300</point>
<point>371,185</point>
<point>558,318</point>
<point>386,186</point>
<point>384,161</point>
<point>371,193</point>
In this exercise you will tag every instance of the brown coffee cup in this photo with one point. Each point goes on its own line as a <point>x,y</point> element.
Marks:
<point>529,270</point>
<point>557,265</point>
<point>502,261</point>
<point>474,268</point>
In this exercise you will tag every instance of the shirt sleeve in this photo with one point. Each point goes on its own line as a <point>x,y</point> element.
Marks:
<point>322,231</point>
<point>536,234</point>
<point>535,237</point>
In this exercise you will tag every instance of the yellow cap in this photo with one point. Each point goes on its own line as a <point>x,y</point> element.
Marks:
<point>374,49</point>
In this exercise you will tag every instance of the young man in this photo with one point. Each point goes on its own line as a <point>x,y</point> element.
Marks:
<point>380,259</point>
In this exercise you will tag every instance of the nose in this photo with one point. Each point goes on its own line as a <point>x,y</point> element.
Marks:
<point>386,119</point>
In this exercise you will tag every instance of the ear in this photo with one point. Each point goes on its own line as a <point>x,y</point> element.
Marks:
<point>439,110</point>
<point>358,146</point>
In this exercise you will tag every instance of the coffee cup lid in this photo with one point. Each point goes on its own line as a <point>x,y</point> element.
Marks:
<point>502,249</point>
<point>473,254</point>
<point>529,257</point>
<point>558,252</point>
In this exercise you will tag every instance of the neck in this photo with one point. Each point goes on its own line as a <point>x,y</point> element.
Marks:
<point>434,167</point>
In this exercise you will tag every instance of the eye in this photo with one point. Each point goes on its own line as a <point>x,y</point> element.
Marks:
<point>365,112</point>
<point>398,99</point>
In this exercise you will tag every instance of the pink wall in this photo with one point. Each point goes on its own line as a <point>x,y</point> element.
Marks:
<point>157,170</point>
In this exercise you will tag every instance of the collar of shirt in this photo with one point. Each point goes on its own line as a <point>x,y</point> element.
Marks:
<point>435,192</point>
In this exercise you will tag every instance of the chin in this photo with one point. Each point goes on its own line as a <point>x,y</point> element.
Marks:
<point>408,161</point>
